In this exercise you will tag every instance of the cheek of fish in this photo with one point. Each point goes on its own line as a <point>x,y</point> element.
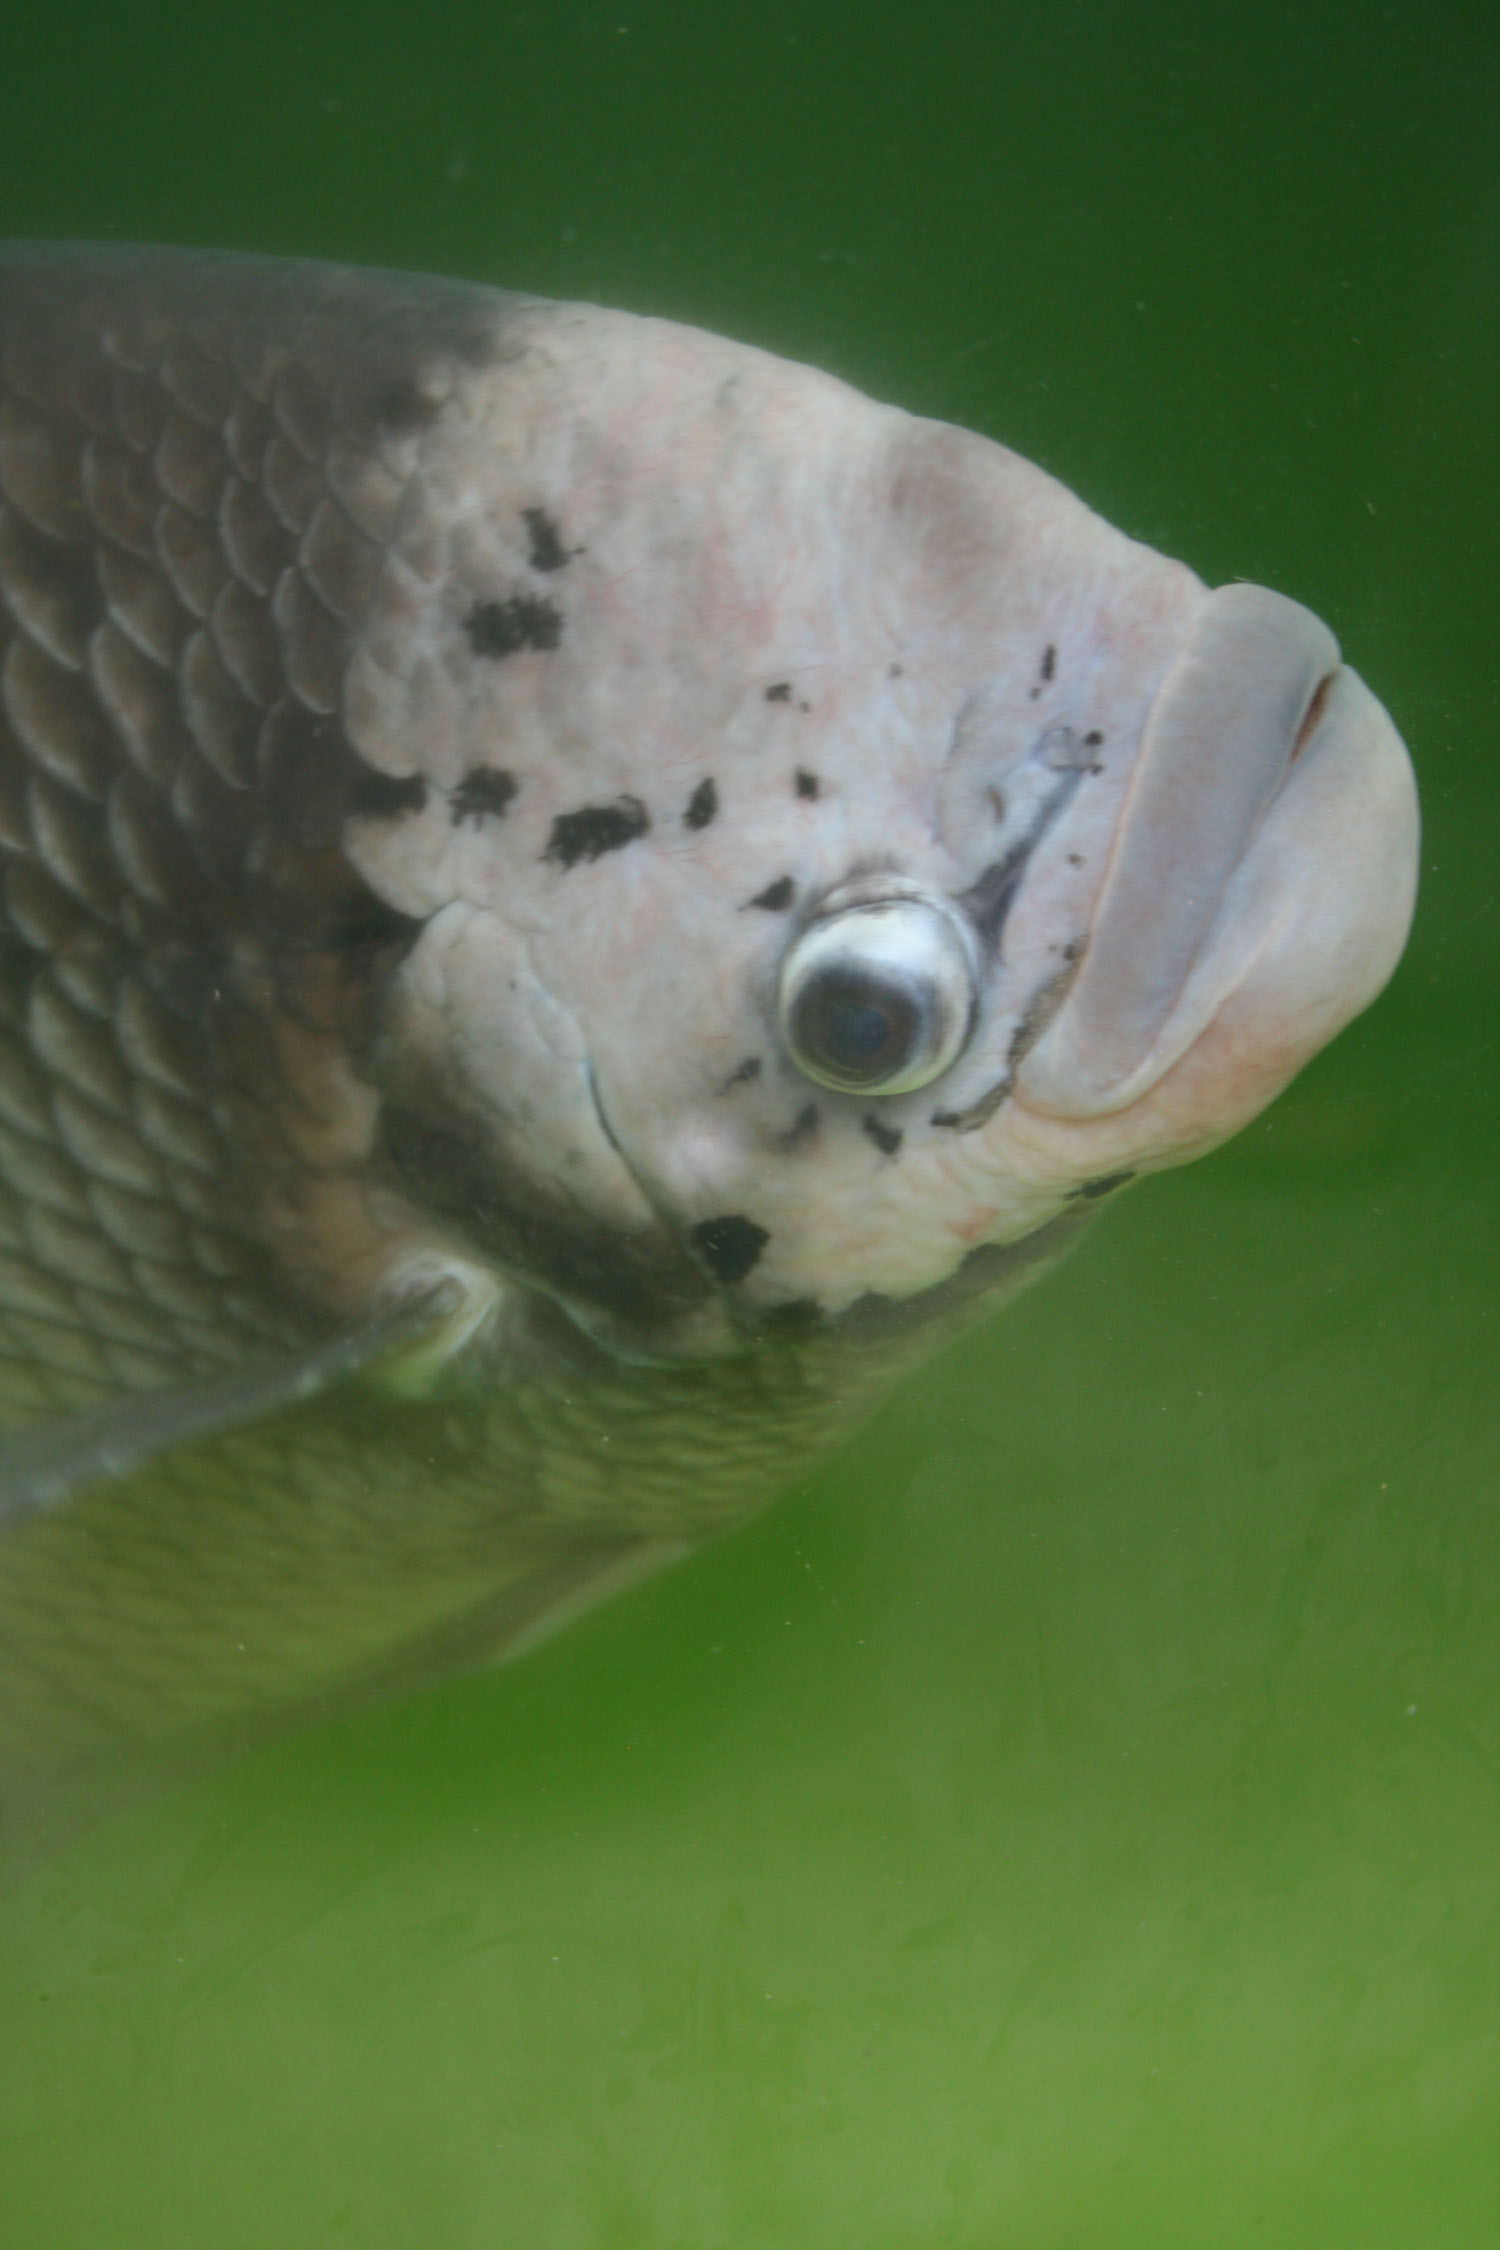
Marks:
<point>576,898</point>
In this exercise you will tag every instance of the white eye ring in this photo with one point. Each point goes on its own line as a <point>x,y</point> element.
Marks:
<point>879,997</point>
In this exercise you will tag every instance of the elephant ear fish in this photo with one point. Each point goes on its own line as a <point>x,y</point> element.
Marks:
<point>576,897</point>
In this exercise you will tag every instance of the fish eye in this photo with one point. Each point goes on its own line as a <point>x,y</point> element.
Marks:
<point>879,997</point>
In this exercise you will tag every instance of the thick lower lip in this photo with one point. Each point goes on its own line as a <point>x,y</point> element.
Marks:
<point>1247,697</point>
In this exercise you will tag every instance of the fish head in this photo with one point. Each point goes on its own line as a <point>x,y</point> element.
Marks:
<point>837,851</point>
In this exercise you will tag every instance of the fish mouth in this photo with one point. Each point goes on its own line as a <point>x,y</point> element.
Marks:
<point>1266,847</point>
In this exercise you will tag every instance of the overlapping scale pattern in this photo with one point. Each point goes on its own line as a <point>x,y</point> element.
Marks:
<point>195,496</point>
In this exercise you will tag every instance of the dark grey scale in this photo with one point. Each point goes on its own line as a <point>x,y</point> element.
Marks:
<point>776,897</point>
<point>339,564</point>
<point>887,1138</point>
<point>188,549</point>
<point>139,597</point>
<point>245,641</point>
<point>120,495</point>
<point>742,1073</point>
<point>290,483</point>
<point>222,721</point>
<point>56,718</point>
<point>257,545</point>
<point>806,784</point>
<point>139,702</point>
<point>191,465</point>
<point>314,644</point>
<point>51,600</point>
<point>1091,1190</point>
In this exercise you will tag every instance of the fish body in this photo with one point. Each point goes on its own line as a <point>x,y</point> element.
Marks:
<point>576,898</point>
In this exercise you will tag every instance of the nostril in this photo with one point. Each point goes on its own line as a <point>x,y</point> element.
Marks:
<point>1312,715</point>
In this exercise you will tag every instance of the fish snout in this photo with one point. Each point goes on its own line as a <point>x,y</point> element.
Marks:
<point>1260,882</point>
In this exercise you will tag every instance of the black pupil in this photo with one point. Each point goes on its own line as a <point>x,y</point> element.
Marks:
<point>857,1033</point>
<point>855,1028</point>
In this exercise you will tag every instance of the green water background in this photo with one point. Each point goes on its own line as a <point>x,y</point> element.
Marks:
<point>1074,1822</point>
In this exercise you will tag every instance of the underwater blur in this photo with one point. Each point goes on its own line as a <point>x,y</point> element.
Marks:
<point>1071,1816</point>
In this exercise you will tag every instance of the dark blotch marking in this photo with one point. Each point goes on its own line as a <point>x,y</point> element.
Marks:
<point>802,1128</point>
<point>483,794</point>
<point>807,784</point>
<point>384,796</point>
<point>777,896</point>
<point>790,1323</point>
<point>702,805</point>
<point>1049,661</point>
<point>546,550</point>
<point>896,672</point>
<point>988,900</point>
<point>403,406</point>
<point>1092,739</point>
<point>887,1138</point>
<point>781,692</point>
<point>1075,859</point>
<point>596,829</point>
<point>748,1069</point>
<point>1104,1185</point>
<point>978,1113</point>
<point>729,1246</point>
<point>499,629</point>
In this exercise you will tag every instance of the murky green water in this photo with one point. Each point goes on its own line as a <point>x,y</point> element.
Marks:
<point>1076,1821</point>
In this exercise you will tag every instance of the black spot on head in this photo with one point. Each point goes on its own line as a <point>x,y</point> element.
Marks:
<point>742,1074</point>
<point>887,1138</point>
<point>596,829</point>
<point>499,629</point>
<point>807,784</point>
<point>780,692</point>
<point>1049,661</point>
<point>702,805</point>
<point>729,1246</point>
<point>777,896</point>
<point>484,794</point>
<point>801,1129</point>
<point>1104,1185</point>
<point>1075,859</point>
<point>383,796</point>
<point>546,550</point>
<point>1092,740</point>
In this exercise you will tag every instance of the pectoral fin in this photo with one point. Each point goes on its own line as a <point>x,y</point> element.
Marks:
<point>42,1468</point>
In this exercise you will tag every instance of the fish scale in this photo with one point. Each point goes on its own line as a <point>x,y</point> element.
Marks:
<point>444,740</point>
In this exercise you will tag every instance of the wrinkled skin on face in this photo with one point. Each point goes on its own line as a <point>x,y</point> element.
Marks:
<point>594,881</point>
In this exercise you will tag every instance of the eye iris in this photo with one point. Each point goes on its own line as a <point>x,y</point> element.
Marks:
<point>860,1032</point>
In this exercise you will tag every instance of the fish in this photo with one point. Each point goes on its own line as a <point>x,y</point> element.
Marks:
<point>578,898</point>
